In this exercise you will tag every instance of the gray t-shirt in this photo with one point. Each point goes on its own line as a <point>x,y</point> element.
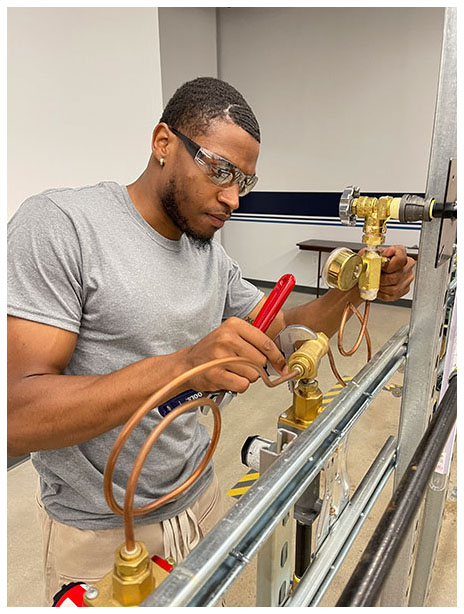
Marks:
<point>86,261</point>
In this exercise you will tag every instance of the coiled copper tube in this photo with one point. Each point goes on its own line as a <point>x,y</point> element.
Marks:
<point>128,512</point>
<point>362,333</point>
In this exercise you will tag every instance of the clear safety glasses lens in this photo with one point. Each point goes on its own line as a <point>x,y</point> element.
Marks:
<point>224,173</point>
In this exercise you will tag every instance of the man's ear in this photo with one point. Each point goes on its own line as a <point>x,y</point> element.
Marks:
<point>162,142</point>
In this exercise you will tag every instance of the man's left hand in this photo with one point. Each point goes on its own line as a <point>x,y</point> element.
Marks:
<point>397,275</point>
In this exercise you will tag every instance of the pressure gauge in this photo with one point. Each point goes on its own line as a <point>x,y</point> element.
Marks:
<point>342,269</point>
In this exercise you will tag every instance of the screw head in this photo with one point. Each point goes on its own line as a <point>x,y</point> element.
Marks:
<point>92,592</point>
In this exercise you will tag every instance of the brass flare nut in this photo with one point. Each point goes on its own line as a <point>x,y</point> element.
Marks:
<point>307,401</point>
<point>132,575</point>
<point>307,358</point>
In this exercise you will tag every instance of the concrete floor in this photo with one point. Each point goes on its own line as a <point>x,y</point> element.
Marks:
<point>256,412</point>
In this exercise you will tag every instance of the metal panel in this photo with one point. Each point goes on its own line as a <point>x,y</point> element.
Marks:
<point>315,582</point>
<point>428,309</point>
<point>274,569</point>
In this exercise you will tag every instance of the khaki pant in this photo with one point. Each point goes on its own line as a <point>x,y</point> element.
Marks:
<point>75,555</point>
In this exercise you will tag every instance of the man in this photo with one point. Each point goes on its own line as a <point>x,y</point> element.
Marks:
<point>115,291</point>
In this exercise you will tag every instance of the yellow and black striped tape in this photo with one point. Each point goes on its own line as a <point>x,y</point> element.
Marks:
<point>247,481</point>
<point>243,484</point>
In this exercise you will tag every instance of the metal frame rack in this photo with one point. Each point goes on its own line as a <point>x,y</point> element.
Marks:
<point>260,519</point>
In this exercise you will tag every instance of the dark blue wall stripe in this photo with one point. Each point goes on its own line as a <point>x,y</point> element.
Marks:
<point>237,218</point>
<point>297,203</point>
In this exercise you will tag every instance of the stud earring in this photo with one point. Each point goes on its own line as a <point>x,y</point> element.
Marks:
<point>162,162</point>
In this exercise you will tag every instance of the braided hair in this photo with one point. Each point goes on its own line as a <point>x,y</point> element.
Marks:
<point>197,103</point>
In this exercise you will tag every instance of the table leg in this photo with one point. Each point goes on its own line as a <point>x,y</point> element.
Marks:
<point>318,273</point>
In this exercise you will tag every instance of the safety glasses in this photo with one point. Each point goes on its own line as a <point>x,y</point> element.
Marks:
<point>220,170</point>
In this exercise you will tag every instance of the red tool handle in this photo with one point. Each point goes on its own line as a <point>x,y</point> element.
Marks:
<point>274,302</point>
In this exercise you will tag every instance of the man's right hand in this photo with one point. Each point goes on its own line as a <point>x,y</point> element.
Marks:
<point>234,337</point>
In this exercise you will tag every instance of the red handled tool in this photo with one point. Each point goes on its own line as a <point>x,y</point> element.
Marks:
<point>262,321</point>
<point>274,302</point>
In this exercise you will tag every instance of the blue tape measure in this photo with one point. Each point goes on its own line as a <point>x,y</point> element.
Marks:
<point>183,397</point>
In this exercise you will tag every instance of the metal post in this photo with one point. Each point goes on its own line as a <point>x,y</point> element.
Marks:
<point>428,312</point>
<point>436,494</point>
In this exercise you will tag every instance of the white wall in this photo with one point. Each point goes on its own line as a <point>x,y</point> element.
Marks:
<point>188,43</point>
<point>188,46</point>
<point>343,96</point>
<point>84,93</point>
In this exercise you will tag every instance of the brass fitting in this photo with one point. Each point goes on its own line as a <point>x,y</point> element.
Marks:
<point>307,405</point>
<point>308,356</point>
<point>344,269</point>
<point>369,279</point>
<point>307,401</point>
<point>307,397</point>
<point>133,578</point>
<point>376,212</point>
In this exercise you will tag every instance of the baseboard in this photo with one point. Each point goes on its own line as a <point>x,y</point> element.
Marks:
<point>402,302</point>
<point>14,461</point>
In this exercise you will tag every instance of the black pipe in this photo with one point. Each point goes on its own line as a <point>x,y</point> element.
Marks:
<point>372,570</point>
<point>303,546</point>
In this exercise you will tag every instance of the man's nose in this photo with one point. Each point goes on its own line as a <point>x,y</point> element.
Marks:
<point>229,196</point>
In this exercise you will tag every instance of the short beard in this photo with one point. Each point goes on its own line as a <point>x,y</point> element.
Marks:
<point>169,201</point>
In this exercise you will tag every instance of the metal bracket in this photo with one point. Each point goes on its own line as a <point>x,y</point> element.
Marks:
<point>336,492</point>
<point>448,226</point>
<point>274,573</point>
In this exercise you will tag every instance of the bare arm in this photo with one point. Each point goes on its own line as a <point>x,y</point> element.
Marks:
<point>321,315</point>
<point>48,410</point>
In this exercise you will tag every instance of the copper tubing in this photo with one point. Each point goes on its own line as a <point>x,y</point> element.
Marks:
<point>128,512</point>
<point>334,368</point>
<point>362,333</point>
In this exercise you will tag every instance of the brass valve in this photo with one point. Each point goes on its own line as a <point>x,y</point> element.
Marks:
<point>133,578</point>
<point>308,356</point>
<point>377,211</point>
<point>307,397</point>
<point>344,269</point>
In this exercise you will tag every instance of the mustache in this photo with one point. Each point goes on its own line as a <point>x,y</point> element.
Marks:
<point>222,215</point>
